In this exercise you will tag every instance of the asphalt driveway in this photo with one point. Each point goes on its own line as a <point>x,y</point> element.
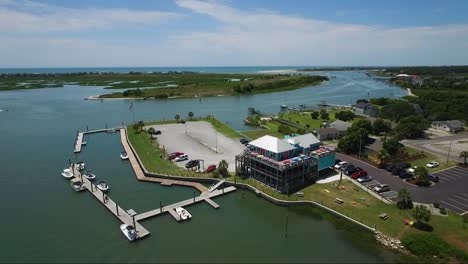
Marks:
<point>451,192</point>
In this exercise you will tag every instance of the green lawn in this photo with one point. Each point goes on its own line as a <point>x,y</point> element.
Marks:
<point>450,228</point>
<point>422,158</point>
<point>304,118</point>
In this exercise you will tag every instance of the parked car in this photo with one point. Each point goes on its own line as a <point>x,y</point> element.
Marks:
<point>182,122</point>
<point>405,175</point>
<point>433,178</point>
<point>358,169</point>
<point>412,170</point>
<point>243,141</point>
<point>211,168</point>
<point>389,167</point>
<point>397,171</point>
<point>381,188</point>
<point>349,169</point>
<point>358,174</point>
<point>337,161</point>
<point>364,179</point>
<point>432,164</point>
<point>340,164</point>
<point>181,158</point>
<point>404,165</point>
<point>157,132</point>
<point>174,155</point>
<point>192,163</point>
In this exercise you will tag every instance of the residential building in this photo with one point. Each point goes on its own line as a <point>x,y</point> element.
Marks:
<point>365,109</point>
<point>327,133</point>
<point>449,125</point>
<point>286,165</point>
<point>341,126</point>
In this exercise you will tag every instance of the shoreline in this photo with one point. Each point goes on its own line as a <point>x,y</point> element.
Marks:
<point>409,93</point>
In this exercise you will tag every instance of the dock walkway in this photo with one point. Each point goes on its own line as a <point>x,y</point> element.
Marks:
<point>116,210</point>
<point>79,138</point>
<point>141,175</point>
<point>171,208</point>
<point>78,142</point>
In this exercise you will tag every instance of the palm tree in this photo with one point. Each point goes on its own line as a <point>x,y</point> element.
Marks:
<point>190,115</point>
<point>222,167</point>
<point>177,118</point>
<point>404,197</point>
<point>383,156</point>
<point>464,154</point>
<point>421,173</point>
<point>341,177</point>
<point>421,214</point>
<point>141,124</point>
<point>151,130</point>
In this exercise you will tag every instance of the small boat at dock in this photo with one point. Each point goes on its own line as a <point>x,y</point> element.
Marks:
<point>124,155</point>
<point>102,185</point>
<point>77,185</point>
<point>284,106</point>
<point>89,175</point>
<point>183,214</point>
<point>129,232</point>
<point>80,165</point>
<point>67,174</point>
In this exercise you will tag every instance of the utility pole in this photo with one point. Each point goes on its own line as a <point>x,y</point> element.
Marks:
<point>448,154</point>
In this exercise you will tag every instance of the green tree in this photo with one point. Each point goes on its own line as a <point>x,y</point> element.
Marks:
<point>177,118</point>
<point>381,126</point>
<point>383,156</point>
<point>190,115</point>
<point>345,115</point>
<point>420,174</point>
<point>392,145</point>
<point>349,143</point>
<point>397,110</point>
<point>284,129</point>
<point>361,124</point>
<point>314,115</point>
<point>223,168</point>
<point>404,199</point>
<point>324,114</point>
<point>151,130</point>
<point>464,155</point>
<point>421,214</point>
<point>362,100</point>
<point>411,127</point>
<point>141,124</point>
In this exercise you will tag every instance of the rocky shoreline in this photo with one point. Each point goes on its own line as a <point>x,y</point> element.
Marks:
<point>389,242</point>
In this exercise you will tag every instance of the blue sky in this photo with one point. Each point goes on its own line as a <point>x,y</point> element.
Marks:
<point>88,33</point>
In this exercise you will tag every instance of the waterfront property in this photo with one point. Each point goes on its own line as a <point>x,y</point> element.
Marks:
<point>286,165</point>
<point>449,125</point>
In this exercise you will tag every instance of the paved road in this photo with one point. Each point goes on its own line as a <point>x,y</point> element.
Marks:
<point>423,144</point>
<point>453,182</point>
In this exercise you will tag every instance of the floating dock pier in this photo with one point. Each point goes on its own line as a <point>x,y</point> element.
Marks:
<point>79,138</point>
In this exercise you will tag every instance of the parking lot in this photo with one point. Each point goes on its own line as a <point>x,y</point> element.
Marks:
<point>456,201</point>
<point>201,142</point>
<point>451,192</point>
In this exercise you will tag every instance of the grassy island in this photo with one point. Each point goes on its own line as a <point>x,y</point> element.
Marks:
<point>164,85</point>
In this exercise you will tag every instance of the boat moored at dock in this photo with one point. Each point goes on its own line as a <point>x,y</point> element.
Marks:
<point>80,165</point>
<point>67,174</point>
<point>89,175</point>
<point>129,232</point>
<point>183,214</point>
<point>103,186</point>
<point>124,155</point>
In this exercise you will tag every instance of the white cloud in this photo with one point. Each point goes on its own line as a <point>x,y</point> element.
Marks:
<point>33,17</point>
<point>270,37</point>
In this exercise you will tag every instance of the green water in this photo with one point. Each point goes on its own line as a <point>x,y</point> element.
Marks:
<point>44,220</point>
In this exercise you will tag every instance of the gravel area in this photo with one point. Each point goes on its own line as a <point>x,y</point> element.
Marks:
<point>201,142</point>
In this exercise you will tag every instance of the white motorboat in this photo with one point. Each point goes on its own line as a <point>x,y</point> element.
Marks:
<point>129,231</point>
<point>102,185</point>
<point>80,165</point>
<point>67,174</point>
<point>284,106</point>
<point>184,214</point>
<point>84,143</point>
<point>123,155</point>
<point>89,175</point>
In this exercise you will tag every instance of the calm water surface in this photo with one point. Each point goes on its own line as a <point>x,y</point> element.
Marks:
<point>44,220</point>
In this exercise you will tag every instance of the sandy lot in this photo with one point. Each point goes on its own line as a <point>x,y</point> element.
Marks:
<point>201,142</point>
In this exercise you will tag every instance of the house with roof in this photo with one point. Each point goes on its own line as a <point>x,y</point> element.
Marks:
<point>286,164</point>
<point>341,126</point>
<point>365,109</point>
<point>449,125</point>
<point>327,133</point>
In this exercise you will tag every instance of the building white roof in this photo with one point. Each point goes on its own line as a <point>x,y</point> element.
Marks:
<point>272,144</point>
<point>303,140</point>
<point>402,75</point>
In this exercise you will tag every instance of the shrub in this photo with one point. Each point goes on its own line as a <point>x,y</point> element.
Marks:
<point>423,183</point>
<point>430,244</point>
<point>442,210</point>
<point>436,205</point>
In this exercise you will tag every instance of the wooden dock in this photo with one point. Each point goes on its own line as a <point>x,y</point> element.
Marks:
<point>141,175</point>
<point>79,142</point>
<point>116,210</point>
<point>206,196</point>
